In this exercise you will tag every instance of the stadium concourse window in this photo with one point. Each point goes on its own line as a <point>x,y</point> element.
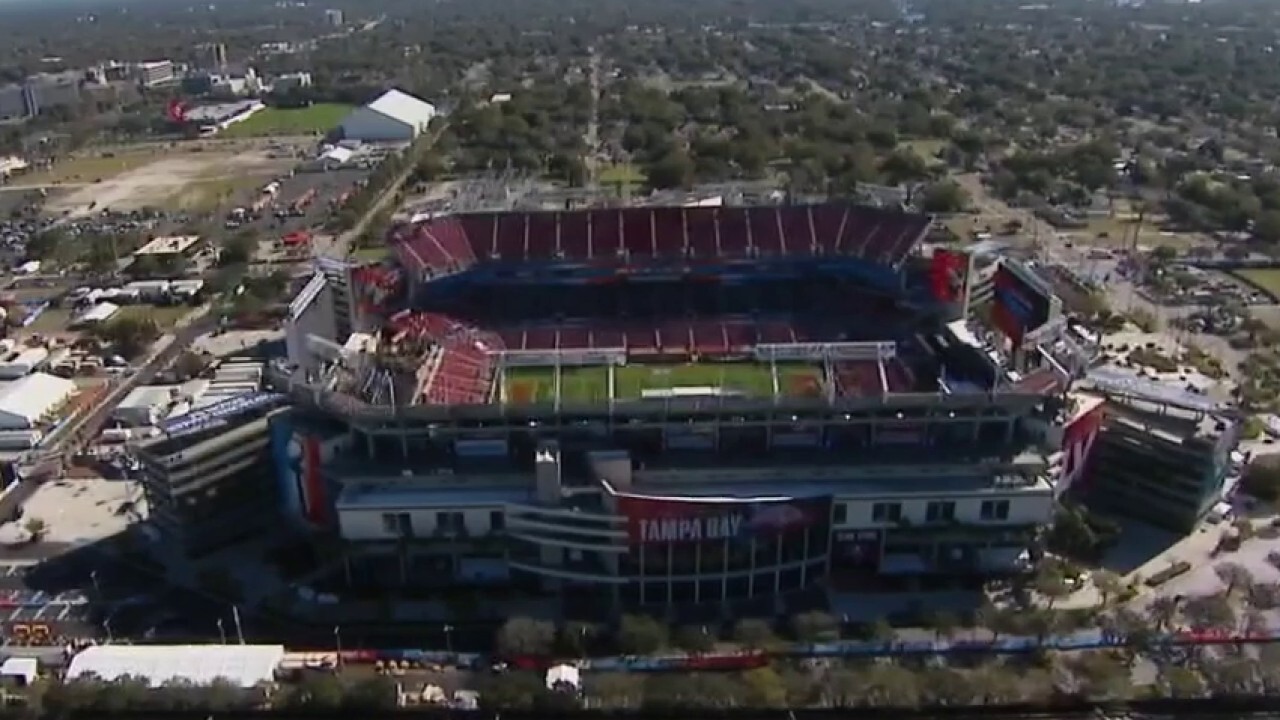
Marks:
<point>995,510</point>
<point>398,524</point>
<point>940,511</point>
<point>886,512</point>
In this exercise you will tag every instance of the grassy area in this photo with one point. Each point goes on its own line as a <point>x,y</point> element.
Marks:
<point>89,168</point>
<point>214,193</point>
<point>370,254</point>
<point>317,119</point>
<point>591,384</point>
<point>52,320</point>
<point>1266,279</point>
<point>165,316</point>
<point>623,174</point>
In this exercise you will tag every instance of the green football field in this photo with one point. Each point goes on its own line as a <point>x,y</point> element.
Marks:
<point>592,383</point>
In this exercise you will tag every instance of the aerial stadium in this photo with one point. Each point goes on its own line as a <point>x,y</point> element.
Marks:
<point>675,406</point>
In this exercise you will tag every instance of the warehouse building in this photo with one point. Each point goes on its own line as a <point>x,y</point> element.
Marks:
<point>33,399</point>
<point>393,117</point>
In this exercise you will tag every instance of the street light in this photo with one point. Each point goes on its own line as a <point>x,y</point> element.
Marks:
<point>337,639</point>
<point>222,633</point>
<point>97,589</point>
<point>448,638</point>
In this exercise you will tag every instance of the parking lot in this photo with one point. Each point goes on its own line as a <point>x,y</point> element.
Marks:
<point>35,617</point>
<point>302,202</point>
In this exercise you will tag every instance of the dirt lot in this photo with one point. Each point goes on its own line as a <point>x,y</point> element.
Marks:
<point>185,180</point>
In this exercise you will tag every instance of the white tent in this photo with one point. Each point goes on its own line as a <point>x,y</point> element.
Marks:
<point>25,402</point>
<point>241,665</point>
<point>395,116</point>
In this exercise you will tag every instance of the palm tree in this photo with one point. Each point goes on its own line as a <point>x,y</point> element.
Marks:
<point>37,529</point>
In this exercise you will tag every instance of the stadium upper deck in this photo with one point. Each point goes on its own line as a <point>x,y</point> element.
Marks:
<point>451,244</point>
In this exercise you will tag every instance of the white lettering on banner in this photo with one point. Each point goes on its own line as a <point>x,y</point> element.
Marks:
<point>1077,452</point>
<point>689,529</point>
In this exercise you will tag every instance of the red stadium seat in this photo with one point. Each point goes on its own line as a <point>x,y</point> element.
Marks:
<point>637,233</point>
<point>575,239</point>
<point>703,231</point>
<point>543,236</point>
<point>765,231</point>
<point>606,234</point>
<point>734,237</point>
<point>668,232</point>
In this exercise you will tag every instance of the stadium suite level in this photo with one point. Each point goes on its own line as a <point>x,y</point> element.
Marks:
<point>667,405</point>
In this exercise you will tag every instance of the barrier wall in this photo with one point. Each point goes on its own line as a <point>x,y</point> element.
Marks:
<point>748,659</point>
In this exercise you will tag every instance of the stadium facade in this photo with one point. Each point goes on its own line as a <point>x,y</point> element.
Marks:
<point>674,406</point>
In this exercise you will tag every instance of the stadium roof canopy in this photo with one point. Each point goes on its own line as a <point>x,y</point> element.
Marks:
<point>242,665</point>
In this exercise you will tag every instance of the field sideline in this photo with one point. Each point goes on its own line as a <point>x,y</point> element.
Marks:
<point>317,119</point>
<point>592,383</point>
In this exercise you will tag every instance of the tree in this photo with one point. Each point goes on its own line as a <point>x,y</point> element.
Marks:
<point>765,688</point>
<point>1101,675</point>
<point>1051,582</point>
<point>673,170</point>
<point>1108,584</point>
<point>754,634</point>
<point>1210,611</point>
<point>1233,575</point>
<point>891,685</point>
<point>815,627</point>
<point>239,249</point>
<point>519,690</point>
<point>695,639</point>
<point>576,637</point>
<point>1262,480</point>
<point>943,197</point>
<point>947,686</point>
<point>189,365</point>
<point>641,635</point>
<point>1180,682</point>
<point>623,691</point>
<point>526,637</point>
<point>944,624</point>
<point>316,691</point>
<point>36,529</point>
<point>130,335</point>
<point>373,693</point>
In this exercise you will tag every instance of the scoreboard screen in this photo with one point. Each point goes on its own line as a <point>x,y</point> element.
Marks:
<point>1018,306</point>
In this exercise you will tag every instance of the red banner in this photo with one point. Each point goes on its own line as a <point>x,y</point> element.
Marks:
<point>660,520</point>
<point>1078,439</point>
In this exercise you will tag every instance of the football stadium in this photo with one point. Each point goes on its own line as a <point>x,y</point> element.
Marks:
<point>673,407</point>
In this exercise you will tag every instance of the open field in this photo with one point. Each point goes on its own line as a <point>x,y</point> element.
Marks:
<point>591,383</point>
<point>89,168</point>
<point>1266,279</point>
<point>174,179</point>
<point>623,174</point>
<point>165,316</point>
<point>315,120</point>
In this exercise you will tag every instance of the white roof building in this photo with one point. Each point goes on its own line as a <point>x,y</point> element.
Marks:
<point>27,401</point>
<point>23,363</point>
<point>175,245</point>
<point>394,117</point>
<point>98,313</point>
<point>144,405</point>
<point>242,665</point>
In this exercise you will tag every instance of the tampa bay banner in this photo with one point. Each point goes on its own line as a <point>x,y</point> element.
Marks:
<point>687,520</point>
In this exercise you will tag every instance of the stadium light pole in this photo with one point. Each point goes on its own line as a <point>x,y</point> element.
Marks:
<point>222,632</point>
<point>448,638</point>
<point>337,641</point>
